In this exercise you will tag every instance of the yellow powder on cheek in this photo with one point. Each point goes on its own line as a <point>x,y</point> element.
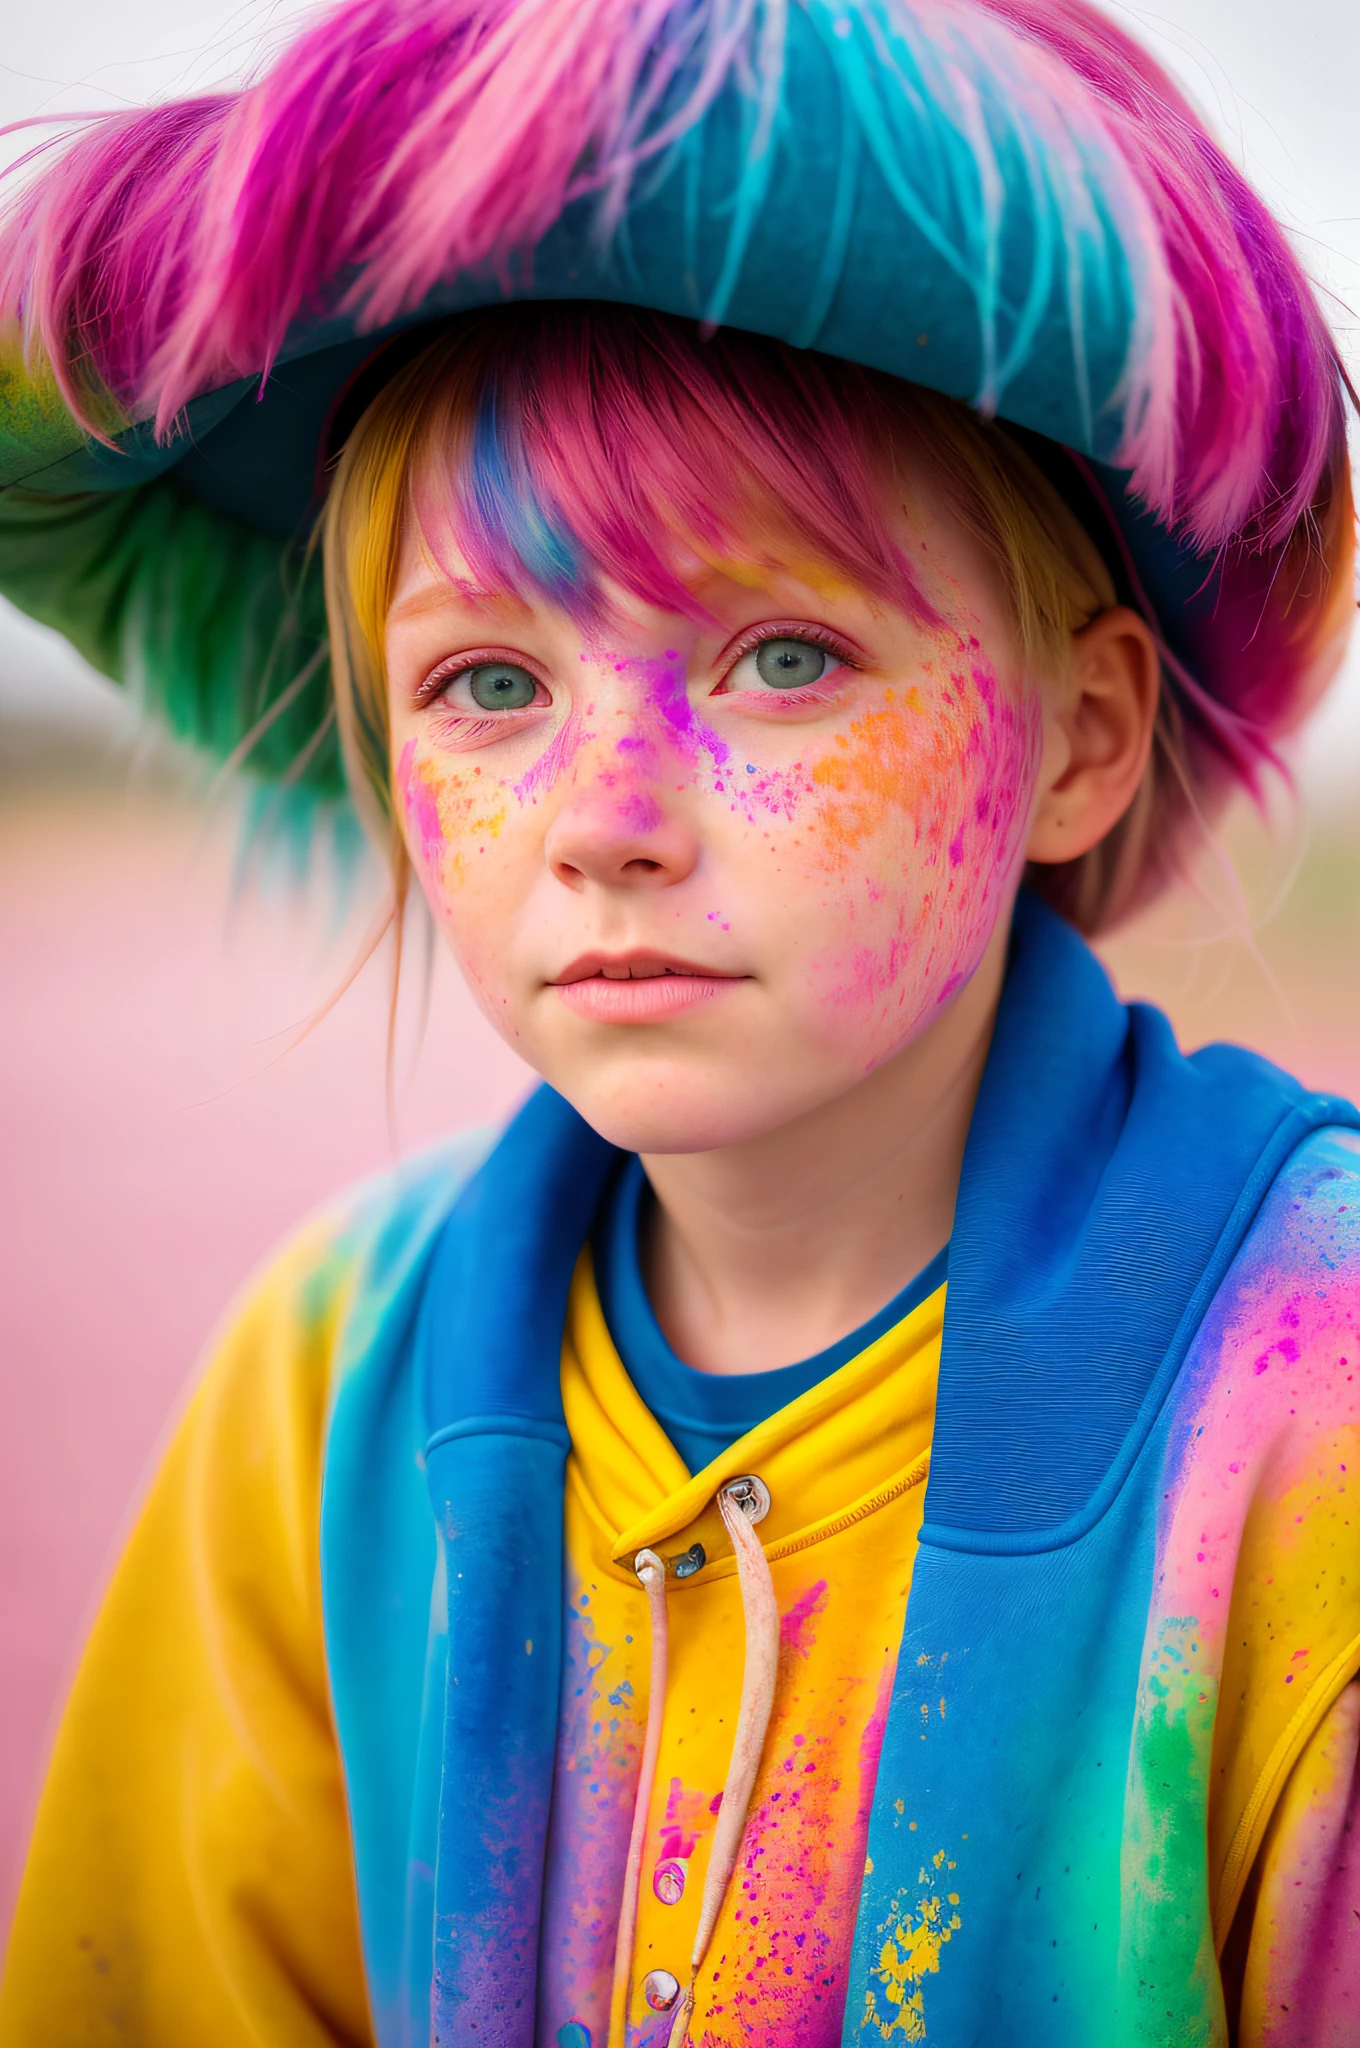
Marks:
<point>451,818</point>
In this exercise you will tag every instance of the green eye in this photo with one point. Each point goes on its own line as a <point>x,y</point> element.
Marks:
<point>788,664</point>
<point>500,686</point>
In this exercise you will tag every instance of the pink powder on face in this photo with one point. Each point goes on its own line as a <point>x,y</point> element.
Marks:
<point>778,793</point>
<point>901,827</point>
<point>670,721</point>
<point>640,812</point>
<point>422,811</point>
<point>661,725</point>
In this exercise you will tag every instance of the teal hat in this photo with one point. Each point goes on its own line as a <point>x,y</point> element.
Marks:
<point>1005,203</point>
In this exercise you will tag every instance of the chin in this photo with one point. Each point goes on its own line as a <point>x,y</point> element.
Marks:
<point>657,1107</point>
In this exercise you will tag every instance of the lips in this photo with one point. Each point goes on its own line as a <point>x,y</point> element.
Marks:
<point>637,966</point>
<point>638,987</point>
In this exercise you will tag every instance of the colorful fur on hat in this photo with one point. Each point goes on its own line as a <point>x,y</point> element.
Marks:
<point>1008,202</point>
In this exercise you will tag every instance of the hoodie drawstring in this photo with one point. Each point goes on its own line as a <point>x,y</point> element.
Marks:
<point>741,1503</point>
<point>651,1569</point>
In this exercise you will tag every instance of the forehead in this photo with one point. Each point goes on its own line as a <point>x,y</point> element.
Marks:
<point>436,573</point>
<point>422,584</point>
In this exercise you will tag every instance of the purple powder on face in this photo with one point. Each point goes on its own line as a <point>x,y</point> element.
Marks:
<point>667,693</point>
<point>556,756</point>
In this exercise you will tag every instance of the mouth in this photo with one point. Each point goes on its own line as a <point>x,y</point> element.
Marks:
<point>638,987</point>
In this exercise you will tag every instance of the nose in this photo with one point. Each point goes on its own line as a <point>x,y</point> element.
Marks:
<point>619,838</point>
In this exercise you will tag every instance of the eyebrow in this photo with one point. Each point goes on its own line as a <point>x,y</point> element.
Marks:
<point>433,597</point>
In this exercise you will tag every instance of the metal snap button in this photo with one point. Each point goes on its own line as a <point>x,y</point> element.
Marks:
<point>660,1990</point>
<point>751,1495</point>
<point>668,1882</point>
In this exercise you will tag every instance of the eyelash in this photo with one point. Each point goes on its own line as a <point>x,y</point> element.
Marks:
<point>439,679</point>
<point>815,636</point>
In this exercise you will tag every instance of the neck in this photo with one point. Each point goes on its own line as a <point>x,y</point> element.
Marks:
<point>766,1252</point>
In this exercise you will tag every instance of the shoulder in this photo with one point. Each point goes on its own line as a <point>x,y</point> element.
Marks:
<point>1295,1282</point>
<point>1279,1336</point>
<point>1266,1410</point>
<point>333,1299</point>
<point>377,1229</point>
<point>1265,1413</point>
<point>1311,1213</point>
<point>377,1546</point>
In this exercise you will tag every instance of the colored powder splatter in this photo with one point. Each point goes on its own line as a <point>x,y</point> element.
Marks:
<point>666,692</point>
<point>447,814</point>
<point>802,1862</point>
<point>962,770</point>
<point>640,812</point>
<point>945,777</point>
<point>599,1746</point>
<point>556,757</point>
<point>687,1811</point>
<point>796,1636</point>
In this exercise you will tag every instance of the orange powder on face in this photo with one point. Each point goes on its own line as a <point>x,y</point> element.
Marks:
<point>938,782</point>
<point>960,768</point>
<point>890,759</point>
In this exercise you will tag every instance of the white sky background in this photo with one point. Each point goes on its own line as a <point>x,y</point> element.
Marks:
<point>1281,86</point>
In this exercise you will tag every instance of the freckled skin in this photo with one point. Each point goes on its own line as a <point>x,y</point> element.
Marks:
<point>862,837</point>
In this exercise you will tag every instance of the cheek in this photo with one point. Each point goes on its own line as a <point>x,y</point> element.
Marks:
<point>452,818</point>
<point>908,836</point>
<point>464,828</point>
<point>944,778</point>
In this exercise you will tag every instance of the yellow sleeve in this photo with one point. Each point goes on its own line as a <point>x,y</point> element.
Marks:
<point>1301,1975</point>
<point>190,1878</point>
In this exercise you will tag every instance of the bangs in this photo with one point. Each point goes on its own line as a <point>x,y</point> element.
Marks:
<point>562,449</point>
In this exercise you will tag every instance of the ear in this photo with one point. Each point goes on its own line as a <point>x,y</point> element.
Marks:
<point>1097,735</point>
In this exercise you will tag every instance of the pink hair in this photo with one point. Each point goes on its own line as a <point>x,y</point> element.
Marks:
<point>581,443</point>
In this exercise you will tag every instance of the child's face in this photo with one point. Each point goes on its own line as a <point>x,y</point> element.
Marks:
<point>704,878</point>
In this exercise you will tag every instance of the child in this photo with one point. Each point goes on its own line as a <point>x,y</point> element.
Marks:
<point>786,477</point>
